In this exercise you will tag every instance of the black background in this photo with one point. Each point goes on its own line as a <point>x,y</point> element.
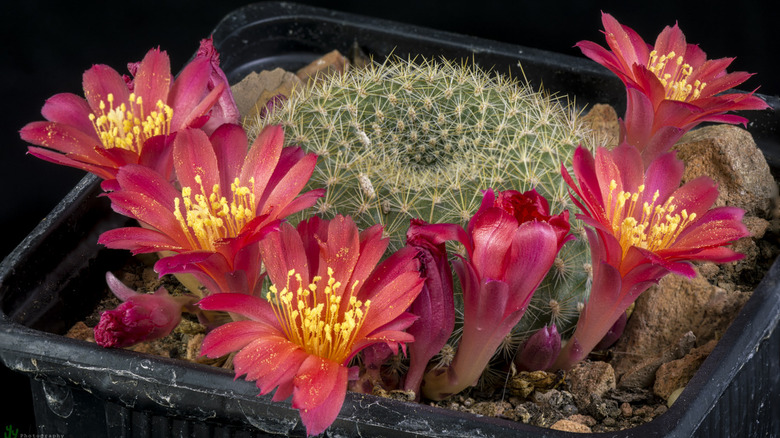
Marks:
<point>48,44</point>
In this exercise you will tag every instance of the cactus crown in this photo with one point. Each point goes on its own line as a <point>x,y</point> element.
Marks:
<point>423,138</point>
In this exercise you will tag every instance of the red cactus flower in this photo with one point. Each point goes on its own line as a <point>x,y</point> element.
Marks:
<point>329,300</point>
<point>671,86</point>
<point>229,200</point>
<point>140,317</point>
<point>511,243</point>
<point>120,120</point>
<point>644,226</point>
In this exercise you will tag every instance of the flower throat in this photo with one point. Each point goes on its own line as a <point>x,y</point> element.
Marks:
<point>314,318</point>
<point>208,219</point>
<point>649,226</point>
<point>676,82</point>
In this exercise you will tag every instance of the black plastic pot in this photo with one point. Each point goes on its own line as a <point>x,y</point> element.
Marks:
<point>55,276</point>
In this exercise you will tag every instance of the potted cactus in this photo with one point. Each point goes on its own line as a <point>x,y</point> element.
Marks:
<point>81,387</point>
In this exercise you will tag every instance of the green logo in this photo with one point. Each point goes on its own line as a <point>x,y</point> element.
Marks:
<point>10,432</point>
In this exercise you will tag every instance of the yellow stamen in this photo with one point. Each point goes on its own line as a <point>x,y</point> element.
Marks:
<point>128,126</point>
<point>208,219</point>
<point>650,226</point>
<point>320,323</point>
<point>674,76</point>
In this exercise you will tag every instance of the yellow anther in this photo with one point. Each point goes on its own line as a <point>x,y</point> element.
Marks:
<point>650,226</point>
<point>209,217</point>
<point>675,77</point>
<point>126,126</point>
<point>326,331</point>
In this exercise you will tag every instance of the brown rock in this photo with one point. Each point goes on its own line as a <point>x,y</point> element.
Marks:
<point>193,347</point>
<point>570,426</point>
<point>81,332</point>
<point>589,380</point>
<point>752,267</point>
<point>626,410</point>
<point>677,373</point>
<point>332,62</point>
<point>722,307</point>
<point>603,120</point>
<point>729,156</point>
<point>643,373</point>
<point>256,89</point>
<point>662,315</point>
<point>583,419</point>
<point>665,312</point>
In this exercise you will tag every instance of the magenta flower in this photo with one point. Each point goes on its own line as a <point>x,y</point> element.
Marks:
<point>141,317</point>
<point>644,226</point>
<point>511,243</point>
<point>540,351</point>
<point>671,86</point>
<point>125,120</point>
<point>229,199</point>
<point>225,109</point>
<point>434,306</point>
<point>329,300</point>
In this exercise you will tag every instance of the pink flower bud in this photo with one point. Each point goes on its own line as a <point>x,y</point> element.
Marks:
<point>614,333</point>
<point>141,317</point>
<point>434,306</point>
<point>540,350</point>
<point>273,103</point>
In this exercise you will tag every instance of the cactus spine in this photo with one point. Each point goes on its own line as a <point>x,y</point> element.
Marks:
<point>422,139</point>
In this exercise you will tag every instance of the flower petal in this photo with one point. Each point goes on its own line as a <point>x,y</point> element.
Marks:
<point>250,306</point>
<point>230,146</point>
<point>100,81</point>
<point>318,418</point>
<point>233,336</point>
<point>69,109</point>
<point>315,380</point>
<point>153,78</point>
<point>187,92</point>
<point>193,156</point>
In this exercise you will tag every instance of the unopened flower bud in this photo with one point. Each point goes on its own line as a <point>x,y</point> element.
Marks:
<point>540,350</point>
<point>614,333</point>
<point>225,109</point>
<point>141,317</point>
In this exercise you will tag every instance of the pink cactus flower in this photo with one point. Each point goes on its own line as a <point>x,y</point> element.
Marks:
<point>671,86</point>
<point>645,225</point>
<point>122,120</point>
<point>330,299</point>
<point>511,243</point>
<point>229,199</point>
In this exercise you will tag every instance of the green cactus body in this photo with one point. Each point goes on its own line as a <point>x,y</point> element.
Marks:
<point>423,139</point>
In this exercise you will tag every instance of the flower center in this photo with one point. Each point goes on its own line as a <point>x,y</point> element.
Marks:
<point>652,226</point>
<point>673,74</point>
<point>128,126</point>
<point>208,219</point>
<point>523,208</point>
<point>319,322</point>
